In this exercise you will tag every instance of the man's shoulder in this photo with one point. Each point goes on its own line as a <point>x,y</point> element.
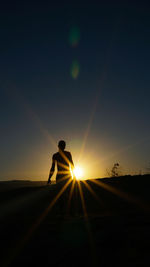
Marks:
<point>67,153</point>
<point>55,155</point>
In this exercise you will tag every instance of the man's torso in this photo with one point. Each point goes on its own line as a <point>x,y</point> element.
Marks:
<point>63,160</point>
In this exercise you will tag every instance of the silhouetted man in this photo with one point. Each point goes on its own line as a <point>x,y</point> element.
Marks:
<point>64,162</point>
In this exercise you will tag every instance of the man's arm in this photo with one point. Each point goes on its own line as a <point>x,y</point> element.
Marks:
<point>51,170</point>
<point>71,162</point>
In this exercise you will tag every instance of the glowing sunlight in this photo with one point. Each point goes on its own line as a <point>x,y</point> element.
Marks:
<point>78,172</point>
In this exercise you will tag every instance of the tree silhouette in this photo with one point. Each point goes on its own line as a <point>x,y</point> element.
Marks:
<point>115,170</point>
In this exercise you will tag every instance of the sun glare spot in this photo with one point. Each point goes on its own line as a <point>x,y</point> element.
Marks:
<point>78,172</point>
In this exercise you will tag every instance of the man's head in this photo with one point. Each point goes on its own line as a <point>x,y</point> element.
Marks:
<point>62,144</point>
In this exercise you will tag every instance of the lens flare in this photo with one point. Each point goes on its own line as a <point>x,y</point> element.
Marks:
<point>74,36</point>
<point>75,69</point>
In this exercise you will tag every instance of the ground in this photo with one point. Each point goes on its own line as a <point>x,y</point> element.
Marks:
<point>112,229</point>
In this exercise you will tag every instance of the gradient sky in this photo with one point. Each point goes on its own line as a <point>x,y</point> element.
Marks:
<point>79,73</point>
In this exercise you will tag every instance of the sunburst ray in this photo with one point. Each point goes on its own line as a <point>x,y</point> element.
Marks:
<point>93,193</point>
<point>70,194</point>
<point>121,194</point>
<point>17,249</point>
<point>87,223</point>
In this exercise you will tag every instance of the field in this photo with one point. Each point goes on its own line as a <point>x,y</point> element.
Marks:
<point>106,224</point>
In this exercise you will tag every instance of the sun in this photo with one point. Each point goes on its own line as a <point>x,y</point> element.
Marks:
<point>78,172</point>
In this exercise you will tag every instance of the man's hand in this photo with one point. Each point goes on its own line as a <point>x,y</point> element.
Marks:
<point>49,181</point>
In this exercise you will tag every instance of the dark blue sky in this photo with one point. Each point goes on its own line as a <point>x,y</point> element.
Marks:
<point>95,91</point>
